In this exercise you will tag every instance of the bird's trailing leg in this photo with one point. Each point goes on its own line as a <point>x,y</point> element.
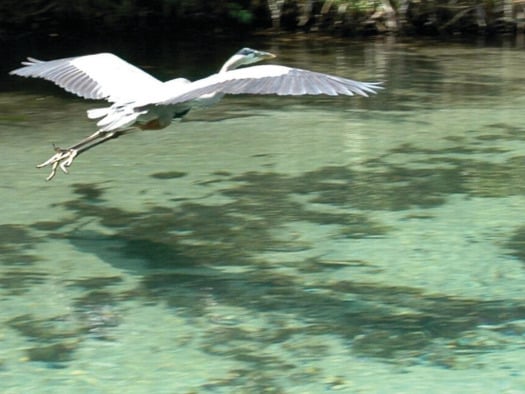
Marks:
<point>63,158</point>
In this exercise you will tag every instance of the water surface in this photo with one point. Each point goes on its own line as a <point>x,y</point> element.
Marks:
<point>284,245</point>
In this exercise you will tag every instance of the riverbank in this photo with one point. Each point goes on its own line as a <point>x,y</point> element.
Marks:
<point>191,18</point>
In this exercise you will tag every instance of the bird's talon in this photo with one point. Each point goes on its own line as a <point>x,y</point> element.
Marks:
<point>58,149</point>
<point>66,163</point>
<point>63,168</point>
<point>62,159</point>
<point>53,171</point>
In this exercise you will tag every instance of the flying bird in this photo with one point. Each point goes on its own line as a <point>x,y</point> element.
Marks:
<point>140,101</point>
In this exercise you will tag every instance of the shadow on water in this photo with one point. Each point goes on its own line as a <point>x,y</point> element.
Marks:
<point>188,247</point>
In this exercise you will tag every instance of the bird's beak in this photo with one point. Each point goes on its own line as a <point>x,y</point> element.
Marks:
<point>267,55</point>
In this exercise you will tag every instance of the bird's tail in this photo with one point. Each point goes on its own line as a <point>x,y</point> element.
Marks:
<point>118,116</point>
<point>96,113</point>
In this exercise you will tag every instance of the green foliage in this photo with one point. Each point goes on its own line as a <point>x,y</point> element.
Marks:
<point>237,12</point>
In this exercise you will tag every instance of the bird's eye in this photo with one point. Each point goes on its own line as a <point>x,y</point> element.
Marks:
<point>245,52</point>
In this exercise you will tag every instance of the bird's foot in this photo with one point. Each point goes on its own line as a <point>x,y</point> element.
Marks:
<point>63,158</point>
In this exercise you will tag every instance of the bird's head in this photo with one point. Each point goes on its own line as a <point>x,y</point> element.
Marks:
<point>244,57</point>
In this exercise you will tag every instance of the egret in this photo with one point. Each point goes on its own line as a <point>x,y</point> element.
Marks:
<point>140,101</point>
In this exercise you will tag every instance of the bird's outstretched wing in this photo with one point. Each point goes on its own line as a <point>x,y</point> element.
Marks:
<point>270,79</point>
<point>99,76</point>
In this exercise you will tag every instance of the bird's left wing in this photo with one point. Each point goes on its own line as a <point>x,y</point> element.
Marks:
<point>99,76</point>
<point>270,79</point>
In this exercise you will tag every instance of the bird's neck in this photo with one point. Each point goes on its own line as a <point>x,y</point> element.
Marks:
<point>231,64</point>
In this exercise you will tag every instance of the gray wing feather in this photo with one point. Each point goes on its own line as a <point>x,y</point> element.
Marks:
<point>271,79</point>
<point>99,76</point>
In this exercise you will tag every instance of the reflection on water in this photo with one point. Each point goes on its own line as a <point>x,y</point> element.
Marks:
<point>276,244</point>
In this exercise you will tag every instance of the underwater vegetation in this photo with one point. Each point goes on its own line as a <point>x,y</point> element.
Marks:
<point>188,249</point>
<point>516,243</point>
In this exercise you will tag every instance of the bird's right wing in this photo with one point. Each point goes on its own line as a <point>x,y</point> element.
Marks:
<point>99,76</point>
<point>269,79</point>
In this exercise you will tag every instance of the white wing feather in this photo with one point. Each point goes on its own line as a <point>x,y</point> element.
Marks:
<point>99,76</point>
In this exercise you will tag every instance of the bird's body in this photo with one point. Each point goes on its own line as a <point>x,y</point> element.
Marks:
<point>141,101</point>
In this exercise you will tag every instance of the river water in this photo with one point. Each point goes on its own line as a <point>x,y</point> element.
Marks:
<point>272,244</point>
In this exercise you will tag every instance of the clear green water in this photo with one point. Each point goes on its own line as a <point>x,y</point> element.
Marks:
<point>275,245</point>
